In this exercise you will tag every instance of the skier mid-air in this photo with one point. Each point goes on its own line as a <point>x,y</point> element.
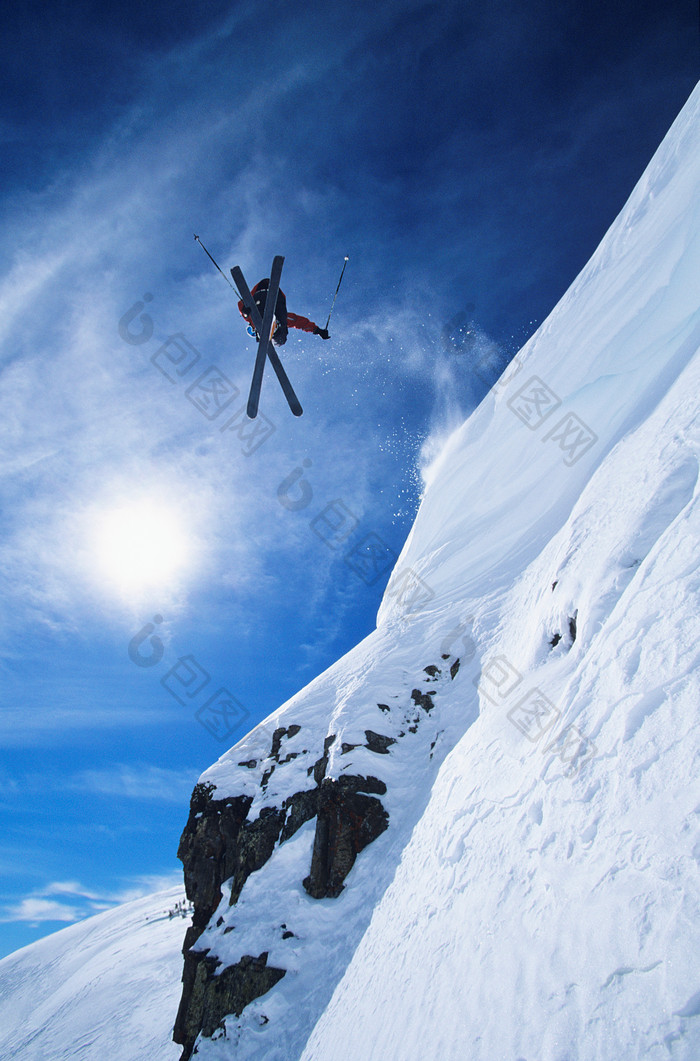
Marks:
<point>269,324</point>
<point>284,319</point>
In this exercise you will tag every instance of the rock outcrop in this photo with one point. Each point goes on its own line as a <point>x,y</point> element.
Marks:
<point>219,844</point>
<point>226,840</point>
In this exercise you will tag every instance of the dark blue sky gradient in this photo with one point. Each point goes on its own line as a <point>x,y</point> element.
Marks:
<point>468,158</point>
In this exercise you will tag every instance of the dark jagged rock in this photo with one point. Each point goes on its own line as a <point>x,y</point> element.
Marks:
<point>345,747</point>
<point>267,775</point>
<point>279,735</point>
<point>219,843</point>
<point>423,699</point>
<point>347,821</point>
<point>215,996</point>
<point>556,638</point>
<point>277,738</point>
<point>299,809</point>
<point>376,742</point>
<point>321,765</point>
<point>572,626</point>
<point>207,850</point>
<point>256,842</point>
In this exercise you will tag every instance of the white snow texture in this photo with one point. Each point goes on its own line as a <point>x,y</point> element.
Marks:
<point>536,896</point>
<point>106,988</point>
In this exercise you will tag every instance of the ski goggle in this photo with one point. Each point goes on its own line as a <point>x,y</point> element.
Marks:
<point>251,330</point>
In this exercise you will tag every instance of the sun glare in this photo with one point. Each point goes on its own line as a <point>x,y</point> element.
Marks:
<point>140,546</point>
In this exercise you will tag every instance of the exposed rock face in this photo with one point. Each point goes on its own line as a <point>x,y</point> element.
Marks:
<point>212,997</point>
<point>228,839</point>
<point>346,821</point>
<point>208,852</point>
<point>219,844</point>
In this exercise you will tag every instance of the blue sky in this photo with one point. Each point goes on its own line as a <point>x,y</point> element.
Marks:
<point>467,158</point>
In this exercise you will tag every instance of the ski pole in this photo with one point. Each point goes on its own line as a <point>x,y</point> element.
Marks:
<point>336,291</point>
<point>217,266</point>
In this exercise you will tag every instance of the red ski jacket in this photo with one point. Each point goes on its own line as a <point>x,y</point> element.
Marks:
<point>294,320</point>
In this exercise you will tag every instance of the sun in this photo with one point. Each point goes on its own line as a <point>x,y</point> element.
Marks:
<point>141,546</point>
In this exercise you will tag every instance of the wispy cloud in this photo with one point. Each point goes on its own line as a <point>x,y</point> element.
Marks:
<point>34,910</point>
<point>140,781</point>
<point>70,901</point>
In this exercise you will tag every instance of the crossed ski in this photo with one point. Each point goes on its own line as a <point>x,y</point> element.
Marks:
<point>264,329</point>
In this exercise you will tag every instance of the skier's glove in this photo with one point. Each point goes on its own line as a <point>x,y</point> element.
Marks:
<point>323,332</point>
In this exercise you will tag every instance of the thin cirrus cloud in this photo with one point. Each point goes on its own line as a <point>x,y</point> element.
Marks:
<point>141,781</point>
<point>69,901</point>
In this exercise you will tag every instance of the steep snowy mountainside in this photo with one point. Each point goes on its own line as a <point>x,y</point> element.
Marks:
<point>536,639</point>
<point>597,367</point>
<point>104,988</point>
<point>295,834</point>
<point>548,904</point>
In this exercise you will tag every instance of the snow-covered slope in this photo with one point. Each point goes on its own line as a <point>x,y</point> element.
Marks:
<point>521,727</point>
<point>548,904</point>
<point>105,989</point>
<point>478,834</point>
